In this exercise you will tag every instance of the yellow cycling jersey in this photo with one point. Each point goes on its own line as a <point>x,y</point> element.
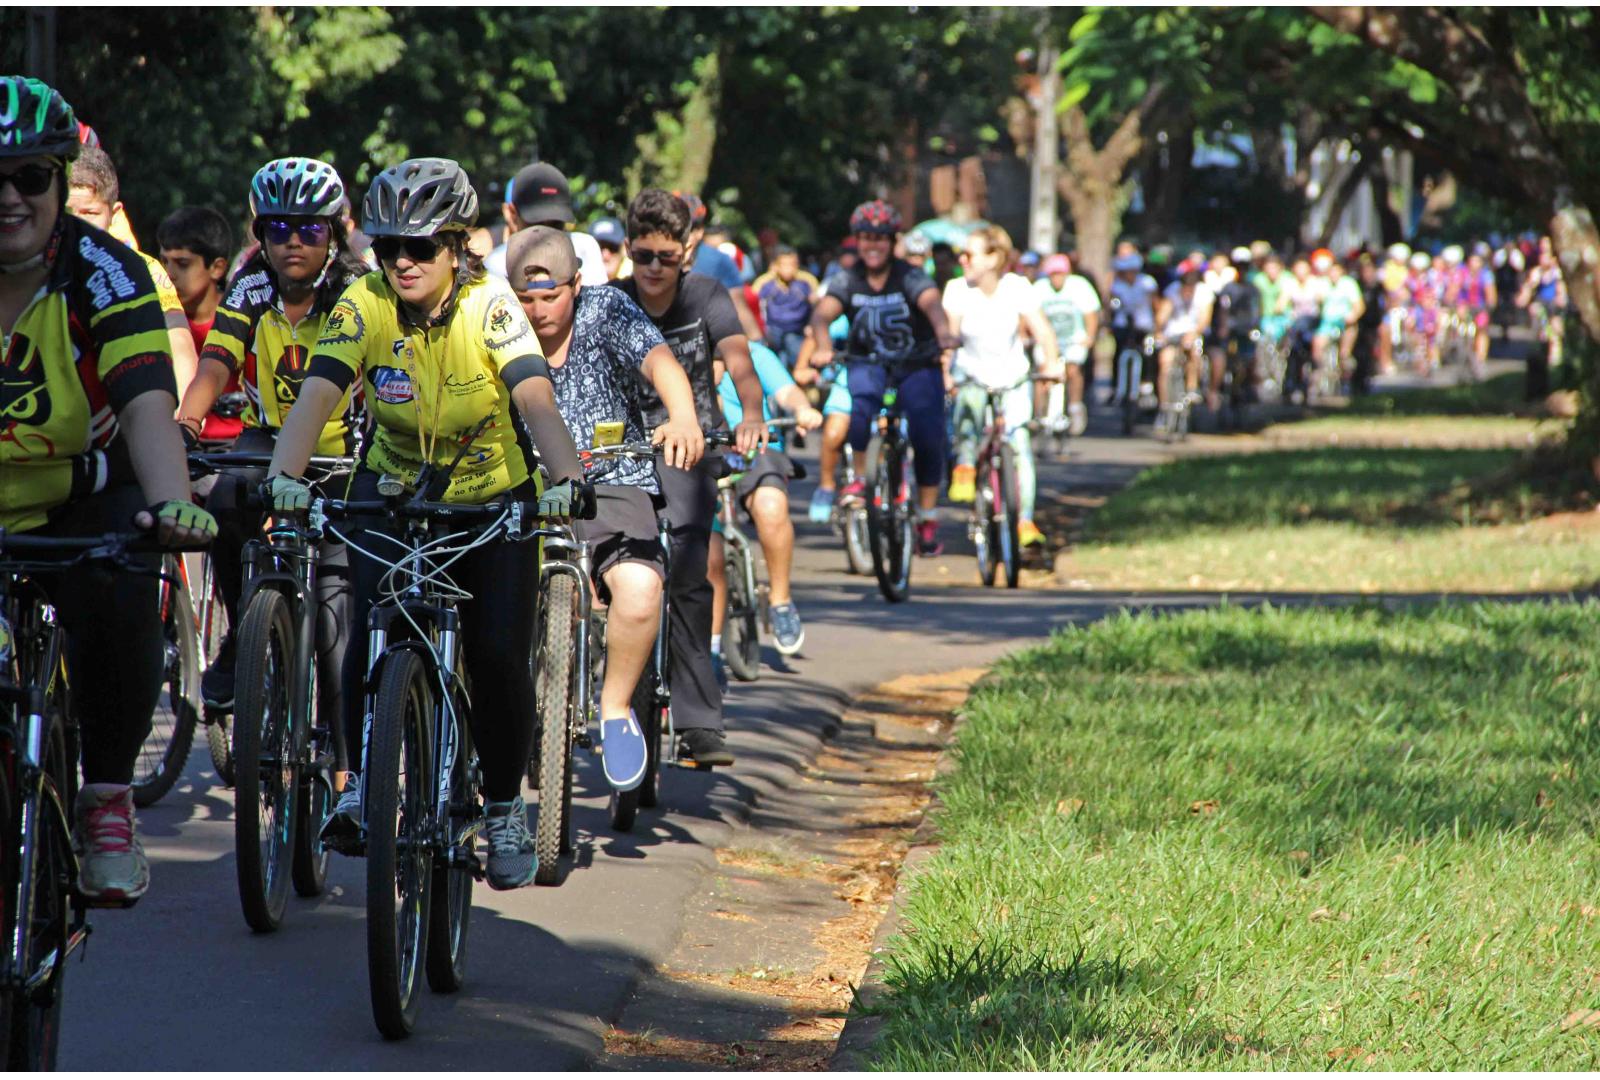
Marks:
<point>166,291</point>
<point>429,389</point>
<point>92,340</point>
<point>255,340</point>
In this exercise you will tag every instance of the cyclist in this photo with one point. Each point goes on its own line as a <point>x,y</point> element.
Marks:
<point>1237,319</point>
<point>1472,293</point>
<point>1425,288</point>
<point>265,332</point>
<point>92,196</point>
<point>597,343</point>
<point>1342,306</point>
<point>88,446</point>
<point>1275,295</point>
<point>196,245</point>
<point>763,491</point>
<point>1133,300</point>
<point>987,309</point>
<point>897,333</point>
<point>1183,317</point>
<point>695,314</point>
<point>1073,308</point>
<point>1544,295</point>
<point>445,355</point>
<point>836,410</point>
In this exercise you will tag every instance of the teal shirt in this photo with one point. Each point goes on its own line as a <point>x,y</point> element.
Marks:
<point>774,377</point>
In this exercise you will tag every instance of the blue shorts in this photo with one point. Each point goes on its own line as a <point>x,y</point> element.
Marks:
<point>838,402</point>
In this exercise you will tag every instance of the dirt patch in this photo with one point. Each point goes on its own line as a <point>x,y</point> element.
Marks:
<point>807,884</point>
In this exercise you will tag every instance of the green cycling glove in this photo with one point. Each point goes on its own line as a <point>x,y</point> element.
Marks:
<point>289,494</point>
<point>185,515</point>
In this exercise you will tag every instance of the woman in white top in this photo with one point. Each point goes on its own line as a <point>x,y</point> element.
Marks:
<point>987,310</point>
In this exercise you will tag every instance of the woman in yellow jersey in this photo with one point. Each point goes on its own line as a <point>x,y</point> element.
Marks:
<point>265,331</point>
<point>87,446</point>
<point>445,356</point>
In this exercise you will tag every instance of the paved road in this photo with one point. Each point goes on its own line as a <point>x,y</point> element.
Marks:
<point>181,983</point>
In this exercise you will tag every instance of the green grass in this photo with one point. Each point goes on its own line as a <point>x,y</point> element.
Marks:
<point>1339,520</point>
<point>1490,413</point>
<point>1275,839</point>
<point>1499,396</point>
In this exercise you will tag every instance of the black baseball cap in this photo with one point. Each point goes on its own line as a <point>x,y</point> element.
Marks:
<point>540,193</point>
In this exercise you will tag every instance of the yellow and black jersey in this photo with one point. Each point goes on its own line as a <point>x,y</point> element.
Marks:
<point>256,341</point>
<point>428,389</point>
<point>92,340</point>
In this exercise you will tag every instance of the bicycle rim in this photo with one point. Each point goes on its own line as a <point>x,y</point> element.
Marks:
<point>857,542</point>
<point>888,524</point>
<point>451,910</point>
<point>983,536</point>
<point>741,637</point>
<point>399,789</point>
<point>266,784</point>
<point>1009,521</point>
<point>554,682</point>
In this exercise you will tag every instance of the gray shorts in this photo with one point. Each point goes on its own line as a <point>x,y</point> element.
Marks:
<point>771,468</point>
<point>623,530</point>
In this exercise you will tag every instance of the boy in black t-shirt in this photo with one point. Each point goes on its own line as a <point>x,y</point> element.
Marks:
<point>697,318</point>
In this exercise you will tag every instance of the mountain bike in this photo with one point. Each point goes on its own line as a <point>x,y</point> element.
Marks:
<point>1136,395</point>
<point>420,810</point>
<point>286,731</point>
<point>1238,373</point>
<point>43,917</point>
<point>891,507</point>
<point>1177,411</point>
<point>997,498</point>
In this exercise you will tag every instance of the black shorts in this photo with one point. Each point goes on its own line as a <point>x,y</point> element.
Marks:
<point>623,530</point>
<point>771,468</point>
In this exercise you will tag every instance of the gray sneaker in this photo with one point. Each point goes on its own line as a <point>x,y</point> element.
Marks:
<point>112,867</point>
<point>511,859</point>
<point>341,831</point>
<point>787,629</point>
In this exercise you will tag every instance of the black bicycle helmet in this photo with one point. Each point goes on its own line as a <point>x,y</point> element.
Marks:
<point>35,119</point>
<point>296,187</point>
<point>419,197</point>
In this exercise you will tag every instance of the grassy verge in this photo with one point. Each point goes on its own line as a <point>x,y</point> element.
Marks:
<point>1280,839</point>
<point>1490,413</point>
<point>1343,520</point>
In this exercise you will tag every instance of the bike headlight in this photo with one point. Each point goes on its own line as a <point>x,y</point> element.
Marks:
<point>5,640</point>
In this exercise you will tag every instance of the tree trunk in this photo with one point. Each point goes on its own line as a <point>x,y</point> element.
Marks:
<point>1339,200</point>
<point>1094,223</point>
<point>700,126</point>
<point>1388,221</point>
<point>1091,180</point>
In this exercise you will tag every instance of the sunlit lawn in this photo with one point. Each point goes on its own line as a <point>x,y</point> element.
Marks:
<point>1281,839</point>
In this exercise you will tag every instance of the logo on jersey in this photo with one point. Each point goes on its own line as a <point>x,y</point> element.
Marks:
<point>110,278</point>
<point>291,373</point>
<point>24,400</point>
<point>344,324</point>
<point>504,322</point>
<point>391,385</point>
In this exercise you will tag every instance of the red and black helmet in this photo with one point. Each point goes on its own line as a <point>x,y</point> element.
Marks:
<point>877,218</point>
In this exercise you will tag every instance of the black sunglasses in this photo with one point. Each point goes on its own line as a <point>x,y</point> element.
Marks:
<point>420,249</point>
<point>279,230</point>
<point>646,257</point>
<point>30,179</point>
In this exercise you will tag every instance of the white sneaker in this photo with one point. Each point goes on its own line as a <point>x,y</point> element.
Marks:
<point>1077,419</point>
<point>112,866</point>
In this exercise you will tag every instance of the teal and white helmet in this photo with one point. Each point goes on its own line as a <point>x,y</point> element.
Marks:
<point>296,187</point>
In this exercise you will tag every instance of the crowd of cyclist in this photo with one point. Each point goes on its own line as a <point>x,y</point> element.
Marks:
<point>475,364</point>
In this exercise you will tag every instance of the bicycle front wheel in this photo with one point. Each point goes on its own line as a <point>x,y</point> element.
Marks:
<point>890,517</point>
<point>985,537</point>
<point>451,910</point>
<point>267,779</point>
<point>1008,519</point>
<point>741,634</point>
<point>554,681</point>
<point>857,544</point>
<point>166,747</point>
<point>399,793</point>
<point>32,1019</point>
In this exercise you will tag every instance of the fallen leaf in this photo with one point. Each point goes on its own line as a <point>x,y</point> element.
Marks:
<point>1541,799</point>
<point>1069,806</point>
<point>1322,914</point>
<point>1204,807</point>
<point>1299,856</point>
<point>1582,1018</point>
<point>1588,911</point>
<point>1418,997</point>
<point>1352,1053</point>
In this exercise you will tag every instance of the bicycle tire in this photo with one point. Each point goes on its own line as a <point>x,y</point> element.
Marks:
<point>553,748</point>
<point>218,725</point>
<point>741,632</point>
<point>1010,520</point>
<point>166,746</point>
<point>32,1022</point>
<point>648,712</point>
<point>450,914</point>
<point>264,817</point>
<point>857,545</point>
<point>983,534</point>
<point>888,522</point>
<point>397,938</point>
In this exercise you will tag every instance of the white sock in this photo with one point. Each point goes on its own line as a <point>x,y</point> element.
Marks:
<point>716,644</point>
<point>927,515</point>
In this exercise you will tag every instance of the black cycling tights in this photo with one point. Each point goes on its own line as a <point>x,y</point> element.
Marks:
<point>114,641</point>
<point>497,635</point>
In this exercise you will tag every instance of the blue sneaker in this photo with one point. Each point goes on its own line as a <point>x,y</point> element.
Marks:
<point>787,630</point>
<point>622,751</point>
<point>821,506</point>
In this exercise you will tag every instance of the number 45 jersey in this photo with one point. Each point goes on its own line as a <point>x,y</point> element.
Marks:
<point>885,325</point>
